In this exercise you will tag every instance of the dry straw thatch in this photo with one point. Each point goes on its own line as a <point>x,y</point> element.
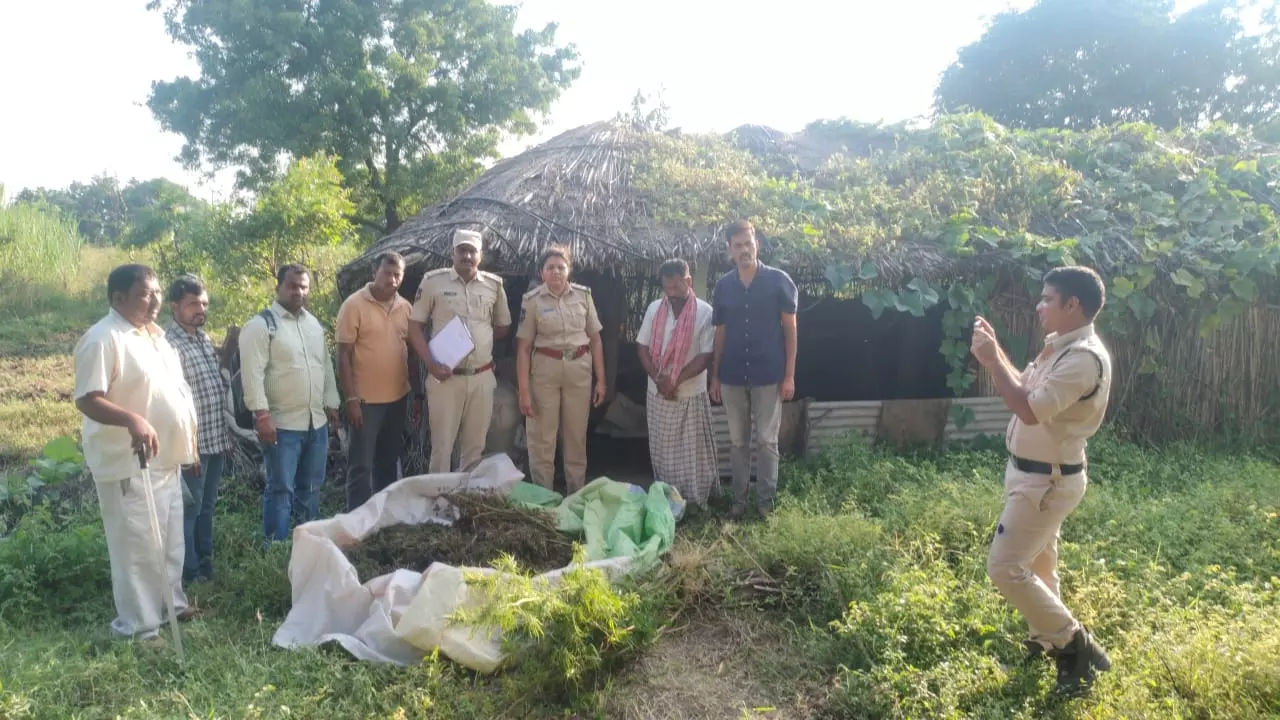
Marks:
<point>573,190</point>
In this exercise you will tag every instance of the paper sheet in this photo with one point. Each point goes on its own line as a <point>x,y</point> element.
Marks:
<point>452,344</point>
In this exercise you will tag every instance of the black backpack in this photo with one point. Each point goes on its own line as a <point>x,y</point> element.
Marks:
<point>244,417</point>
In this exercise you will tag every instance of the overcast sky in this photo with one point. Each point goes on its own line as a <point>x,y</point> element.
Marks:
<point>76,73</point>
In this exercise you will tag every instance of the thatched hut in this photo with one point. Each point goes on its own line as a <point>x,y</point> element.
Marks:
<point>896,237</point>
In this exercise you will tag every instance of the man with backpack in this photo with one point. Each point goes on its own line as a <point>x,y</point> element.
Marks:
<point>290,387</point>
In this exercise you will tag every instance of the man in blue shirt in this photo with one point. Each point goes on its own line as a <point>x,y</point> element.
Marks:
<point>754,365</point>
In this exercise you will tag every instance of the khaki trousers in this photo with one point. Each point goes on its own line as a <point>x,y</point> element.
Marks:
<point>458,411</point>
<point>137,581</point>
<point>561,391</point>
<point>1024,554</point>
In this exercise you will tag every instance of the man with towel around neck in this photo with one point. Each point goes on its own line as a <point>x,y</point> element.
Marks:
<point>675,342</point>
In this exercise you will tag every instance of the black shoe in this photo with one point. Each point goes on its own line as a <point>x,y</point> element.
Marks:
<point>1079,662</point>
<point>1035,651</point>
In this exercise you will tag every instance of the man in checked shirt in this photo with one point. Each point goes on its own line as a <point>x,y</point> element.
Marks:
<point>190,306</point>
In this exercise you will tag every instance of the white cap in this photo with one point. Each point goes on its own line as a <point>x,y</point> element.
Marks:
<point>468,237</point>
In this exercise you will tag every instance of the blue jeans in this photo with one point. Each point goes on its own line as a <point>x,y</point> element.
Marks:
<point>295,472</point>
<point>197,518</point>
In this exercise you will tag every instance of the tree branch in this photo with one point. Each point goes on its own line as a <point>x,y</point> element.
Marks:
<point>366,222</point>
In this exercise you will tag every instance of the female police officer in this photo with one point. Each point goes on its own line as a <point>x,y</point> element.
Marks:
<point>557,347</point>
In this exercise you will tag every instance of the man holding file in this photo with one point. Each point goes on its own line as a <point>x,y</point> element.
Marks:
<point>459,397</point>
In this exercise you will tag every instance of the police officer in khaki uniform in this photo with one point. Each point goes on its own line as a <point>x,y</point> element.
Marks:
<point>460,400</point>
<point>557,346</point>
<point>1058,403</point>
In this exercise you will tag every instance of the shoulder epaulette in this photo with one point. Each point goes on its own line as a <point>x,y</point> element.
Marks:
<point>490,276</point>
<point>433,273</point>
<point>529,295</point>
<point>583,288</point>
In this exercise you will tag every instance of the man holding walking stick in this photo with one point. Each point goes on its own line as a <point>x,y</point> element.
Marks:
<point>131,391</point>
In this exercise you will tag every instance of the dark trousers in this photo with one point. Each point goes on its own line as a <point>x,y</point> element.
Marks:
<point>375,451</point>
<point>197,520</point>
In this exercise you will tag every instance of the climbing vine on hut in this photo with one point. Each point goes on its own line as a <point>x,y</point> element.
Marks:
<point>965,209</point>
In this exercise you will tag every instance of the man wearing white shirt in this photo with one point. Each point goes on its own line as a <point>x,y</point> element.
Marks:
<point>290,387</point>
<point>676,342</point>
<point>131,391</point>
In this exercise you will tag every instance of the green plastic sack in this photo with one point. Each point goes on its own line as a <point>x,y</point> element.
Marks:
<point>535,496</point>
<point>622,520</point>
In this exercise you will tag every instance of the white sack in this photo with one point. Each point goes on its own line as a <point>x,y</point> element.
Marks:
<point>401,616</point>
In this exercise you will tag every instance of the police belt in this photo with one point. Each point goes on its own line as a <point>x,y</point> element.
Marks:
<point>474,371</point>
<point>570,354</point>
<point>1036,467</point>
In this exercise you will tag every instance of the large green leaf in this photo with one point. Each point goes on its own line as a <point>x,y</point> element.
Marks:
<point>1193,284</point>
<point>838,275</point>
<point>1121,287</point>
<point>928,295</point>
<point>910,301</point>
<point>63,449</point>
<point>1245,289</point>
<point>1143,307</point>
<point>878,300</point>
<point>960,297</point>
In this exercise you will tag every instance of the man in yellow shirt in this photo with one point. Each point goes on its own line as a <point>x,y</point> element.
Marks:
<point>376,370</point>
<point>131,391</point>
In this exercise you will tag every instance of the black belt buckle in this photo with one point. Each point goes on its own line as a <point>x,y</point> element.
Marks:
<point>1037,467</point>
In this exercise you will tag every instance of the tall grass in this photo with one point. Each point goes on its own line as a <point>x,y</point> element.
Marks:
<point>1171,559</point>
<point>39,256</point>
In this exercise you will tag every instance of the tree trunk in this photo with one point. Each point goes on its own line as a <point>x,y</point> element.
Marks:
<point>393,220</point>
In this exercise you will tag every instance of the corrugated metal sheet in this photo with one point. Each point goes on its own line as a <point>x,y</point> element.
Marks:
<point>830,421</point>
<point>720,423</point>
<point>990,417</point>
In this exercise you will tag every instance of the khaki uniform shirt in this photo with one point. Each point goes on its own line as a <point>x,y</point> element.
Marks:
<point>293,379</point>
<point>379,337</point>
<point>138,370</point>
<point>558,322</point>
<point>1056,381</point>
<point>482,304</point>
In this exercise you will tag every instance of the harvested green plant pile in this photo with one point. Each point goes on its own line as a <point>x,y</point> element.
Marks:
<point>488,527</point>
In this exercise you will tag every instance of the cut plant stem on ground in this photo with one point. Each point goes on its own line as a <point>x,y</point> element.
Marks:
<point>487,527</point>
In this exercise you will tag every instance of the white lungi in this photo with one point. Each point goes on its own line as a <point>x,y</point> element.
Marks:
<point>136,578</point>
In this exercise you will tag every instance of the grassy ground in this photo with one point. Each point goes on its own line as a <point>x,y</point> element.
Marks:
<point>864,595</point>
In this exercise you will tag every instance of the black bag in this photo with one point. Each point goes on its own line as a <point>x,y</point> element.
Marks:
<point>244,417</point>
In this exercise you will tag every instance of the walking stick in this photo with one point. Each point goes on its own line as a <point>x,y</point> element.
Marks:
<point>149,492</point>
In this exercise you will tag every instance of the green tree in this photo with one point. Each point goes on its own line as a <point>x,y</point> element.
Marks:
<point>1082,63</point>
<point>159,210</point>
<point>98,207</point>
<point>236,246</point>
<point>409,95</point>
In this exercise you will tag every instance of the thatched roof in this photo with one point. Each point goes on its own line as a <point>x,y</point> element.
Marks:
<point>573,190</point>
<point>858,206</point>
